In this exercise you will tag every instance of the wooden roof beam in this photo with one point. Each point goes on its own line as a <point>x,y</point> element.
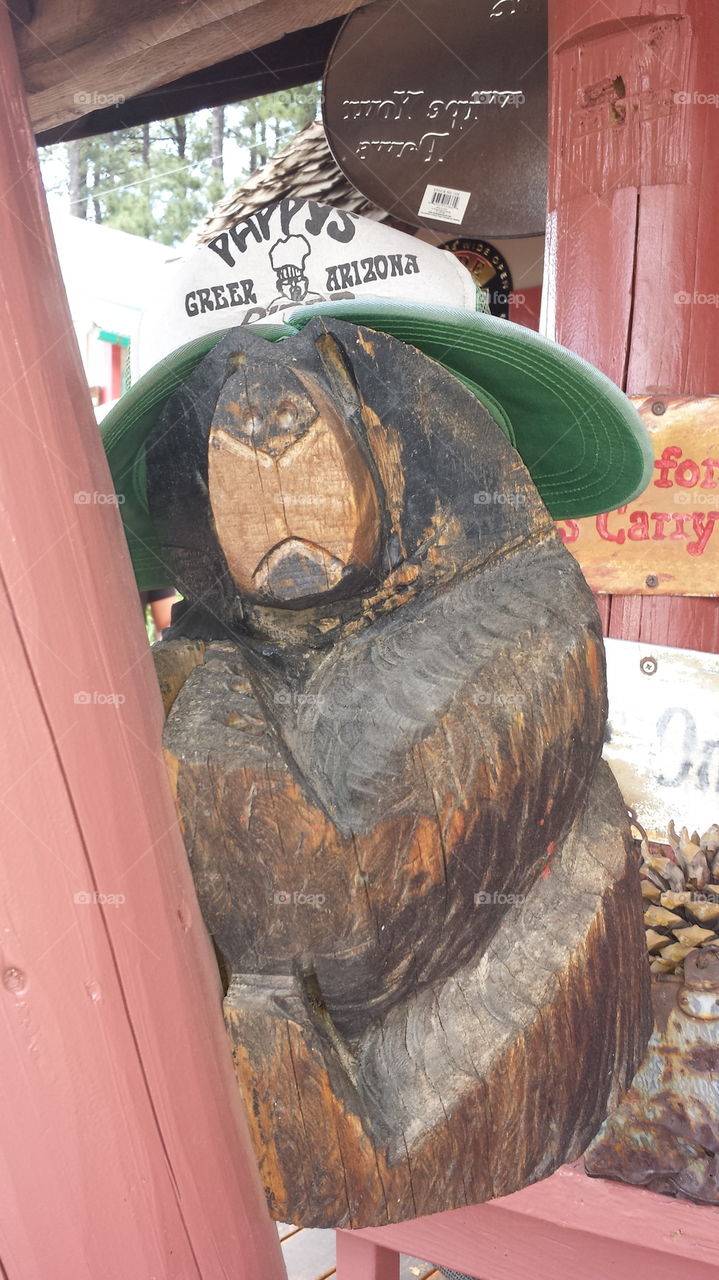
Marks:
<point>76,58</point>
<point>298,58</point>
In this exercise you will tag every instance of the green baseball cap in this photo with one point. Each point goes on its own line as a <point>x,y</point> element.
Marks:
<point>580,438</point>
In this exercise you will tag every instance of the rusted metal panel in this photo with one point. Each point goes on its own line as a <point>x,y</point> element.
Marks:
<point>665,1134</point>
<point>666,542</point>
<point>661,740</point>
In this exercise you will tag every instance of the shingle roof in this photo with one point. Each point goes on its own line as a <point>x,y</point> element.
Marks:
<point>304,169</point>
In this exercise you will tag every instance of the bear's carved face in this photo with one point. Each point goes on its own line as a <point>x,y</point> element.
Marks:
<point>294,503</point>
<point>301,488</point>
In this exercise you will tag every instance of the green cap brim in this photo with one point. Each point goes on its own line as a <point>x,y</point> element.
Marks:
<point>581,439</point>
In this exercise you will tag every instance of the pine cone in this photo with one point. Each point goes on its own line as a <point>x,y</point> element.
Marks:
<point>680,889</point>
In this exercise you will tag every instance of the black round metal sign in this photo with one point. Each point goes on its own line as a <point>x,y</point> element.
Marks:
<point>489,270</point>
<point>438,112</point>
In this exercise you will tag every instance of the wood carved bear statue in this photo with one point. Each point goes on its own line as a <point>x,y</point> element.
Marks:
<point>386,749</point>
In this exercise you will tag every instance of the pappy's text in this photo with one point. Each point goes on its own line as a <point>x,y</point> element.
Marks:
<point>305,216</point>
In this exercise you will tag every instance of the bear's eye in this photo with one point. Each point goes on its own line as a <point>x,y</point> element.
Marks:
<point>286,415</point>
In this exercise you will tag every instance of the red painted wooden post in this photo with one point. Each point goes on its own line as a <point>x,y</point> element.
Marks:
<point>124,1152</point>
<point>361,1259</point>
<point>634,222</point>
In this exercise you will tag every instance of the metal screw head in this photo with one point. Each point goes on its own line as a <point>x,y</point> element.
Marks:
<point>14,980</point>
<point>659,408</point>
<point>648,666</point>
<point>651,580</point>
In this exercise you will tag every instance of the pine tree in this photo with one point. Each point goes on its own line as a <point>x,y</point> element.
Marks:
<point>159,180</point>
<point>267,123</point>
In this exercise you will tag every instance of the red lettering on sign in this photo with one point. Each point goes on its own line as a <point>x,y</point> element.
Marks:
<point>570,533</point>
<point>665,464</point>
<point>711,465</point>
<point>687,474</point>
<point>660,519</point>
<point>604,531</point>
<point>679,528</point>
<point>639,532</point>
<point>703,528</point>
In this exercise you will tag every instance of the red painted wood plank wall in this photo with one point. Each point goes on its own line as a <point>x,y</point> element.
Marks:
<point>124,1153</point>
<point>634,224</point>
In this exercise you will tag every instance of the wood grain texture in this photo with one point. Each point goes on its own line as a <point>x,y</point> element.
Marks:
<point>470,497</point>
<point>624,151</point>
<point>387,1125</point>
<point>664,122</point>
<point>69,56</point>
<point>124,1153</point>
<point>294,59</point>
<point>417,880</point>
<point>385,781</point>
<point>685,624</point>
<point>174,661</point>
<point>633,160</point>
<point>308,519</point>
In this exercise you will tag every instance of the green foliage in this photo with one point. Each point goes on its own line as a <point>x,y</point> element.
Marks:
<point>159,180</point>
<point>269,122</point>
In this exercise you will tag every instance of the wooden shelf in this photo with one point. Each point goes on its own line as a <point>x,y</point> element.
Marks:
<point>568,1227</point>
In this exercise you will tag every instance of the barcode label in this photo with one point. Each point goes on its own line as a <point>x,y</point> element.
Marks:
<point>450,198</point>
<point>444,204</point>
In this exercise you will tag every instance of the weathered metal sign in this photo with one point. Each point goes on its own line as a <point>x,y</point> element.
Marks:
<point>489,270</point>
<point>438,112</point>
<point>663,733</point>
<point>667,541</point>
